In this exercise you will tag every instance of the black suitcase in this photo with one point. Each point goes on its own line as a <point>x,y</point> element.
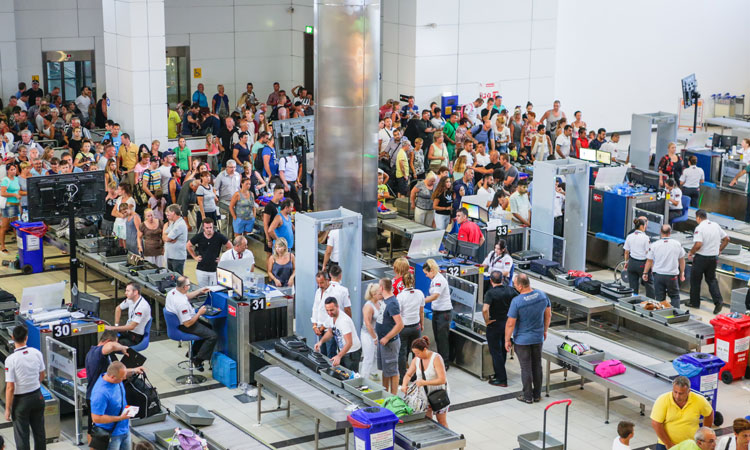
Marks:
<point>292,348</point>
<point>591,287</point>
<point>545,267</point>
<point>615,291</point>
<point>141,393</point>
<point>316,361</point>
<point>524,257</point>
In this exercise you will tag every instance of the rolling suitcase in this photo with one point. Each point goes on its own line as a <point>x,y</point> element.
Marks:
<point>545,267</point>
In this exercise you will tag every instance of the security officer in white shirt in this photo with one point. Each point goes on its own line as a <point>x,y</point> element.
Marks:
<point>332,249</point>
<point>636,251</point>
<point>139,313</point>
<point>24,403</point>
<point>411,304</point>
<point>178,303</point>
<point>319,314</point>
<point>442,308</point>
<point>499,261</point>
<point>239,251</point>
<point>709,240</point>
<point>691,180</point>
<point>667,259</point>
<point>558,207</point>
<point>674,200</point>
<point>338,290</point>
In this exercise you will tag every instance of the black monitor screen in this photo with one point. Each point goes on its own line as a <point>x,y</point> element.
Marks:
<point>484,215</point>
<point>716,141</point>
<point>87,303</point>
<point>449,242</point>
<point>728,141</point>
<point>53,195</point>
<point>468,250</point>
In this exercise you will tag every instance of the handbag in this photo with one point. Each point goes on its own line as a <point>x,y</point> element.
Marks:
<point>100,438</point>
<point>610,368</point>
<point>415,398</point>
<point>438,399</point>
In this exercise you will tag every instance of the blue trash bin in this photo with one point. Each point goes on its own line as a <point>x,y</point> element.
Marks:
<point>374,428</point>
<point>30,245</point>
<point>703,371</point>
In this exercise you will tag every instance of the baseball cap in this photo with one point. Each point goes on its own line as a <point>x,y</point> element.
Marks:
<point>155,159</point>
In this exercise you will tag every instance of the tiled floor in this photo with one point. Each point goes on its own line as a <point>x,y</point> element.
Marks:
<point>492,424</point>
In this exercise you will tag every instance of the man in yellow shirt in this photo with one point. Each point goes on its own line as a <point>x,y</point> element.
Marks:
<point>676,415</point>
<point>173,119</point>
<point>402,172</point>
<point>127,158</point>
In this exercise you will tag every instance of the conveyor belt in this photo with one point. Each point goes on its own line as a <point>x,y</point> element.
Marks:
<point>424,434</point>
<point>727,122</point>
<point>403,227</point>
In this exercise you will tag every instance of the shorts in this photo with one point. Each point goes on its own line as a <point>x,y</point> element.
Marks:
<point>388,358</point>
<point>402,186</point>
<point>242,226</point>
<point>11,210</point>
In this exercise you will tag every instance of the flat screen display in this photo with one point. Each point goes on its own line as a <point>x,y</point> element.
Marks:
<point>588,154</point>
<point>603,157</point>
<point>224,278</point>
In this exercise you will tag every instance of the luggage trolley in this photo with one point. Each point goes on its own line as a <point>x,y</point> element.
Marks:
<point>540,440</point>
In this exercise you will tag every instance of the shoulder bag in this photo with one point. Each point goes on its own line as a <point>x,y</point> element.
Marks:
<point>438,399</point>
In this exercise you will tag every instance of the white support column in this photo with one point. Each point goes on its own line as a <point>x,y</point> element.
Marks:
<point>8,59</point>
<point>135,67</point>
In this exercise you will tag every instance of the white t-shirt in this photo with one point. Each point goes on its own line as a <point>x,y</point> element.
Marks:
<point>727,440</point>
<point>469,157</point>
<point>666,254</point>
<point>410,300</point>
<point>166,174</point>
<point>637,244</point>
<point>519,204</point>
<point>177,303</point>
<point>333,241</point>
<point>384,136</point>
<point>617,445</point>
<point>138,312</point>
<point>564,143</point>
<point>482,160</point>
<point>439,285</point>
<point>675,195</point>
<point>344,325</point>
<point>83,103</point>
<point>558,203</point>
<point>692,177</point>
<point>341,293</point>
<point>487,194</point>
<point>710,234</point>
<point>232,254</point>
<point>23,367</point>
<point>289,165</point>
<point>502,136</point>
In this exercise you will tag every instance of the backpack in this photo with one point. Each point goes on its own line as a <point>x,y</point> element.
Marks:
<point>258,163</point>
<point>141,393</point>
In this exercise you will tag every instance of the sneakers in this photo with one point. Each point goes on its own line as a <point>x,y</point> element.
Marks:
<point>496,382</point>
<point>537,399</point>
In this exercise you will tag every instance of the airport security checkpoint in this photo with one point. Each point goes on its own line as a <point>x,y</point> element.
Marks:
<point>361,257</point>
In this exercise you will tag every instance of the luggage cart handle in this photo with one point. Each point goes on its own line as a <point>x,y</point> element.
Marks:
<point>568,401</point>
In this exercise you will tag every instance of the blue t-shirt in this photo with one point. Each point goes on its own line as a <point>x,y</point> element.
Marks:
<point>200,98</point>
<point>108,399</point>
<point>386,325</point>
<point>116,141</point>
<point>96,365</point>
<point>273,163</point>
<point>528,310</point>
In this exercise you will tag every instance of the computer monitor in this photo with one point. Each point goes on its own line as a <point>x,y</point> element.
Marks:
<point>224,277</point>
<point>655,221</point>
<point>728,141</point>
<point>87,303</point>
<point>468,250</point>
<point>237,285</point>
<point>484,215</point>
<point>716,141</point>
<point>449,242</point>
<point>603,157</point>
<point>588,154</point>
<point>473,210</point>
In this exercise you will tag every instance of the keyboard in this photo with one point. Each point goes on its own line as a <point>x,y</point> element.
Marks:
<point>211,311</point>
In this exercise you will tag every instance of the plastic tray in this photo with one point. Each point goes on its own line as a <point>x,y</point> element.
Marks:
<point>589,361</point>
<point>164,437</point>
<point>335,381</point>
<point>370,397</point>
<point>194,415</point>
<point>631,302</point>
<point>143,274</point>
<point>533,441</point>
<point>158,417</point>
<point>670,315</point>
<point>566,280</point>
<point>354,384</point>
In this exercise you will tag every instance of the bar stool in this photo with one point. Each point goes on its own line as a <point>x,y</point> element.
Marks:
<point>176,334</point>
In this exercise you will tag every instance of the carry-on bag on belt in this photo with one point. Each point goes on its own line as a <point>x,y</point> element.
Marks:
<point>524,257</point>
<point>615,290</point>
<point>590,286</point>
<point>141,393</point>
<point>545,267</point>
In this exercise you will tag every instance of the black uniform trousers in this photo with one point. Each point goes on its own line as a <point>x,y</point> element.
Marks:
<point>496,344</point>
<point>667,285</point>
<point>441,329</point>
<point>129,339</point>
<point>203,348</point>
<point>635,277</point>
<point>28,410</point>
<point>704,266</point>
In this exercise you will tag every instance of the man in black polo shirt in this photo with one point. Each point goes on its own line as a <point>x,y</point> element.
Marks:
<point>228,128</point>
<point>495,311</point>
<point>269,213</point>
<point>206,248</point>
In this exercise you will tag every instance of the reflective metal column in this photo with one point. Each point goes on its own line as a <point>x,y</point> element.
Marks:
<point>347,67</point>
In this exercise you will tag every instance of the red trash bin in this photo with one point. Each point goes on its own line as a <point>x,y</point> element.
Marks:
<point>732,340</point>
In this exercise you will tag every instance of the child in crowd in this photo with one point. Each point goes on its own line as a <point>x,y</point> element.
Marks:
<point>513,151</point>
<point>383,193</point>
<point>625,432</point>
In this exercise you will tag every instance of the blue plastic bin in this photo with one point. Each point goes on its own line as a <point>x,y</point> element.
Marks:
<point>30,245</point>
<point>703,371</point>
<point>224,370</point>
<point>374,428</point>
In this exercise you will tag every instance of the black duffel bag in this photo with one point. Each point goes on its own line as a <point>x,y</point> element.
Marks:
<point>141,393</point>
